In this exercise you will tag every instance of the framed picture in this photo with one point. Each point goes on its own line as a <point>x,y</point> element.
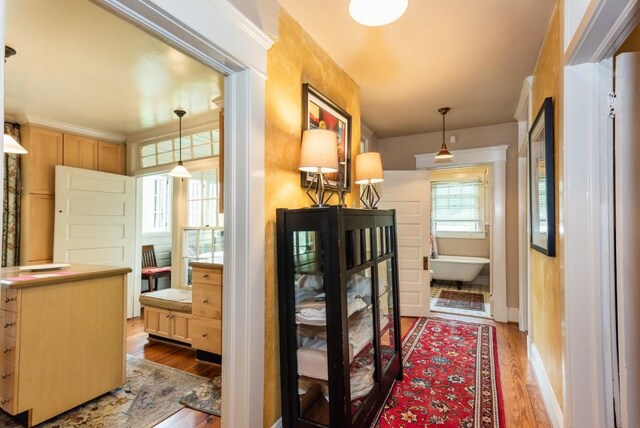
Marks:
<point>542,181</point>
<point>321,112</point>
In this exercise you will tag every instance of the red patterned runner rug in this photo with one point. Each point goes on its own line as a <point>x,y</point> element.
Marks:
<point>451,378</point>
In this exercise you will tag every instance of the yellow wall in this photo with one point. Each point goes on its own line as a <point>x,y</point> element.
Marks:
<point>632,43</point>
<point>293,60</point>
<point>547,292</point>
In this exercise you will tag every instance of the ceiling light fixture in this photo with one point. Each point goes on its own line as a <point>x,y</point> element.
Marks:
<point>179,170</point>
<point>8,51</point>
<point>444,152</point>
<point>375,13</point>
<point>11,145</point>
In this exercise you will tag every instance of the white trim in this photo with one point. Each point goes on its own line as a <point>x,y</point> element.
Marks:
<point>602,29</point>
<point>481,280</point>
<point>213,32</point>
<point>554,412</point>
<point>70,128</point>
<point>278,424</point>
<point>513,314</point>
<point>588,262</point>
<point>190,125</point>
<point>523,115</point>
<point>496,156</point>
<point>462,157</point>
<point>460,235</point>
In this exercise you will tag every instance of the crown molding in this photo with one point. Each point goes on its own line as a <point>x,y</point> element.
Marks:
<point>204,120</point>
<point>58,125</point>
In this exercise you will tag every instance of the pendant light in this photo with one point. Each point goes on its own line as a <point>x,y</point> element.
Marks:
<point>375,13</point>
<point>179,170</point>
<point>444,152</point>
<point>12,146</point>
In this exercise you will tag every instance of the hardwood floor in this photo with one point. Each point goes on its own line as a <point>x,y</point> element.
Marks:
<point>179,358</point>
<point>522,399</point>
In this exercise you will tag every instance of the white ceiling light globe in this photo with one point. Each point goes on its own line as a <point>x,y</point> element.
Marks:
<point>375,13</point>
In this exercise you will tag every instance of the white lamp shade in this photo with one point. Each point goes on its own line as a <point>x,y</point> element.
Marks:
<point>375,13</point>
<point>12,146</point>
<point>319,151</point>
<point>180,171</point>
<point>369,168</point>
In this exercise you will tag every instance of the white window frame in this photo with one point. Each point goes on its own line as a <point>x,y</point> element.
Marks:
<point>168,205</point>
<point>483,198</point>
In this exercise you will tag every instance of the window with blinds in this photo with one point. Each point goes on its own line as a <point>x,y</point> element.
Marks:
<point>456,206</point>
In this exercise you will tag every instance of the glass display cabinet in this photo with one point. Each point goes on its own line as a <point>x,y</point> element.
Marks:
<point>339,314</point>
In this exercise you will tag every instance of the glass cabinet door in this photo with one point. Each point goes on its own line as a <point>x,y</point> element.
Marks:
<point>311,335</point>
<point>387,311</point>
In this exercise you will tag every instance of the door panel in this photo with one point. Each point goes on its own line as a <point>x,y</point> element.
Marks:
<point>408,193</point>
<point>95,220</point>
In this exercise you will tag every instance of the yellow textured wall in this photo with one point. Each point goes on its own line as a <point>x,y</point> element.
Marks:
<point>632,43</point>
<point>293,60</point>
<point>547,293</point>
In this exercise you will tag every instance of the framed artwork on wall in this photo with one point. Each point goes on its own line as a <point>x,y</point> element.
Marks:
<point>321,112</point>
<point>542,181</point>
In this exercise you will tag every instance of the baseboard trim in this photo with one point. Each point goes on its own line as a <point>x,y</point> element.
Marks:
<point>278,424</point>
<point>513,315</point>
<point>548,396</point>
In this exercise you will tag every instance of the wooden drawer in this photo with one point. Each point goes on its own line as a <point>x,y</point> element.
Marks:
<point>9,299</point>
<point>9,350</point>
<point>10,324</point>
<point>7,378</point>
<point>207,301</point>
<point>207,276</point>
<point>206,334</point>
<point>7,402</point>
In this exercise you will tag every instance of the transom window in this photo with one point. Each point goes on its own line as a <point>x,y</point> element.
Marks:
<point>200,145</point>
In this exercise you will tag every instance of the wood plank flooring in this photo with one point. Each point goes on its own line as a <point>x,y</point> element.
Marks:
<point>522,398</point>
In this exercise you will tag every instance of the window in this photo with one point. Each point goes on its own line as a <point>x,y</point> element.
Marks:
<point>200,145</point>
<point>156,204</point>
<point>457,206</point>
<point>202,238</point>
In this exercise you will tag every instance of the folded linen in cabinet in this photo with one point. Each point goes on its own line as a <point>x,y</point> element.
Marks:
<point>361,381</point>
<point>319,316</point>
<point>358,286</point>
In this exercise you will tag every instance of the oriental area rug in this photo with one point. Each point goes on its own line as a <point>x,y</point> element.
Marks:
<point>451,378</point>
<point>461,300</point>
<point>206,397</point>
<point>151,395</point>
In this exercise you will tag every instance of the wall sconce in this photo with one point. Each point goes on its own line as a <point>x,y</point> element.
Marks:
<point>319,155</point>
<point>368,172</point>
<point>12,146</point>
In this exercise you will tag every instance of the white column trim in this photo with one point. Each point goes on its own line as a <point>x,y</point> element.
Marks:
<point>588,258</point>
<point>496,156</point>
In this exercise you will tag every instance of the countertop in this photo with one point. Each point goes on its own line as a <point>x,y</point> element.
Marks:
<point>14,278</point>
<point>215,262</point>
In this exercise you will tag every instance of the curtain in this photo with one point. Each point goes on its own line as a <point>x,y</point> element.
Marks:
<point>12,190</point>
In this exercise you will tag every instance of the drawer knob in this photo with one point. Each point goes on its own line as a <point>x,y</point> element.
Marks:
<point>205,334</point>
<point>10,299</point>
<point>205,275</point>
<point>205,301</point>
<point>9,324</point>
<point>5,350</point>
<point>169,316</point>
<point>4,375</point>
<point>3,401</point>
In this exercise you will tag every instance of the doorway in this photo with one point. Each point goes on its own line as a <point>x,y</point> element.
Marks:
<point>461,241</point>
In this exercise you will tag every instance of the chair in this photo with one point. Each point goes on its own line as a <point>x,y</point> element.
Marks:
<point>150,270</point>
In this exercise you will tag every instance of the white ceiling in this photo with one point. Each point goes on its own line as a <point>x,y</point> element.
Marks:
<point>470,55</point>
<point>79,64</point>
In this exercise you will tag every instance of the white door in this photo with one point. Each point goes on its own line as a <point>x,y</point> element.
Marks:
<point>627,174</point>
<point>408,193</point>
<point>95,220</point>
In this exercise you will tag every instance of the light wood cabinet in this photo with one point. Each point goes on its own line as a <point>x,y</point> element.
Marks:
<point>168,324</point>
<point>38,166</point>
<point>38,233</point>
<point>111,157</point>
<point>206,307</point>
<point>80,152</point>
<point>80,356</point>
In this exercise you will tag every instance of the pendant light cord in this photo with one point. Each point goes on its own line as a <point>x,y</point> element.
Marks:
<point>180,139</point>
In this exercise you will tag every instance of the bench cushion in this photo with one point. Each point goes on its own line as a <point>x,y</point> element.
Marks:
<point>172,299</point>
